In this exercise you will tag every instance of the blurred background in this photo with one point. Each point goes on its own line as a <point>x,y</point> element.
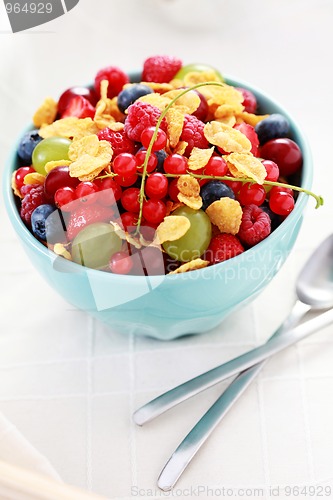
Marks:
<point>53,362</point>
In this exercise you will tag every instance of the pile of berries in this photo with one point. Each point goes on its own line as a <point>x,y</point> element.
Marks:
<point>109,219</point>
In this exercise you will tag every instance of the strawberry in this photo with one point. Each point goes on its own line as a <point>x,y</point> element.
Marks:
<point>85,215</point>
<point>79,107</point>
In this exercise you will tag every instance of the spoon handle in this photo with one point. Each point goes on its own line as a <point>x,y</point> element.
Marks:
<point>193,386</point>
<point>191,444</point>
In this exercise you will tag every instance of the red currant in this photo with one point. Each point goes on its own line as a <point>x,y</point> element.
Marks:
<point>126,181</point>
<point>125,165</point>
<point>173,190</point>
<point>86,192</point>
<point>281,203</point>
<point>252,194</point>
<point>154,211</point>
<point>129,221</point>
<point>285,152</point>
<point>109,191</point>
<point>121,263</point>
<point>272,170</point>
<point>64,198</point>
<point>234,185</point>
<point>216,166</point>
<point>20,174</point>
<point>140,158</point>
<point>160,141</point>
<point>130,200</point>
<point>156,186</point>
<point>175,164</point>
<point>280,189</point>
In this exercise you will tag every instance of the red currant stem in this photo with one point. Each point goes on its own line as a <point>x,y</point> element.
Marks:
<point>153,139</point>
<point>319,199</point>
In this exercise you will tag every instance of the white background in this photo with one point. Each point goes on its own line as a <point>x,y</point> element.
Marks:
<point>69,384</point>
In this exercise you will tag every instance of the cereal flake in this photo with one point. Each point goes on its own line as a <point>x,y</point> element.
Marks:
<point>226,214</point>
<point>172,228</point>
<point>246,165</point>
<point>227,138</point>
<point>46,113</point>
<point>191,266</point>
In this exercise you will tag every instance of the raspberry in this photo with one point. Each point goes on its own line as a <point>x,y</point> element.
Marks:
<point>116,78</point>
<point>33,197</point>
<point>85,215</point>
<point>160,69</point>
<point>193,134</point>
<point>119,141</point>
<point>255,226</point>
<point>140,116</point>
<point>223,247</point>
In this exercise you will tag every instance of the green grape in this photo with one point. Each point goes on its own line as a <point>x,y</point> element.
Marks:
<point>54,148</point>
<point>193,244</point>
<point>95,244</point>
<point>198,68</point>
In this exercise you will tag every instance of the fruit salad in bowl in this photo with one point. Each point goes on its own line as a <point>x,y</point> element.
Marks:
<point>159,201</point>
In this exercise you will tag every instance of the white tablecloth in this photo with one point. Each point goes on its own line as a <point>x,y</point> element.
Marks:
<point>69,384</point>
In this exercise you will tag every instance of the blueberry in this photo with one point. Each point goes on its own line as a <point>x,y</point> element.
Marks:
<point>273,127</point>
<point>161,156</point>
<point>55,227</point>
<point>27,144</point>
<point>213,191</point>
<point>38,220</point>
<point>131,94</point>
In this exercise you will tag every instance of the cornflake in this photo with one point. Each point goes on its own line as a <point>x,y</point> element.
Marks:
<point>199,158</point>
<point>175,121</point>
<point>246,165</point>
<point>172,228</point>
<point>87,166</point>
<point>60,249</point>
<point>191,266</point>
<point>226,214</point>
<point>227,138</point>
<point>159,101</point>
<point>69,127</point>
<point>189,191</point>
<point>87,145</point>
<point>15,189</point>
<point>50,165</point>
<point>155,86</point>
<point>46,113</point>
<point>181,147</point>
<point>34,178</point>
<point>107,112</point>
<point>228,120</point>
<point>171,206</point>
<point>187,103</point>
<point>250,118</point>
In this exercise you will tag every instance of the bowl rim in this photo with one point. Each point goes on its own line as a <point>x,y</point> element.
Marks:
<point>69,266</point>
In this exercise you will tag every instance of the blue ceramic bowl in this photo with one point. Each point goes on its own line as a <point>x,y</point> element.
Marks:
<point>166,307</point>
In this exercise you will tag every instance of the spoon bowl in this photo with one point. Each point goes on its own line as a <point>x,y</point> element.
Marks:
<point>315,282</point>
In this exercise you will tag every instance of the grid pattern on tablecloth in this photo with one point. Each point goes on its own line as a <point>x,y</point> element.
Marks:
<point>71,385</point>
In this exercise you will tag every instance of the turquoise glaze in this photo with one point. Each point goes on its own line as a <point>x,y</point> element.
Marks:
<point>166,307</point>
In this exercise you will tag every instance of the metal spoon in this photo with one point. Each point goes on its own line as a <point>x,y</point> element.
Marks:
<point>314,290</point>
